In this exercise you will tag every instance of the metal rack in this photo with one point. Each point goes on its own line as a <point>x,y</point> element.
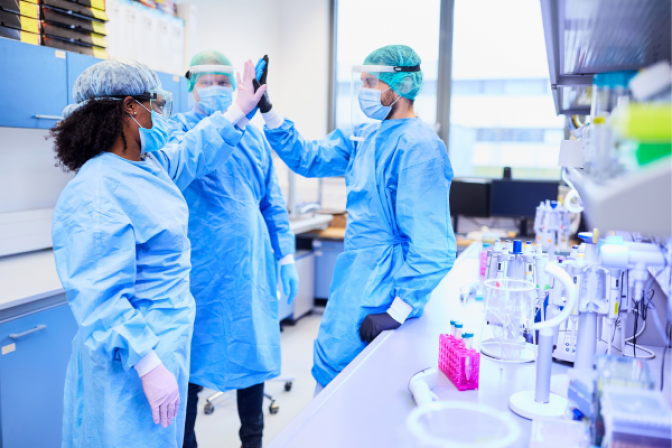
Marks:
<point>584,37</point>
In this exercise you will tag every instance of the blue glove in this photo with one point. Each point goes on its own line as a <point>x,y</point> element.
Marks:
<point>290,281</point>
<point>258,73</point>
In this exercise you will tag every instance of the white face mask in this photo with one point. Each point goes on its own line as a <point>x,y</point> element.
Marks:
<point>370,102</point>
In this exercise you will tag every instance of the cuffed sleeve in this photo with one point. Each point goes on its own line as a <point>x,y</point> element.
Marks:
<point>234,114</point>
<point>399,310</point>
<point>148,363</point>
<point>287,259</point>
<point>272,119</point>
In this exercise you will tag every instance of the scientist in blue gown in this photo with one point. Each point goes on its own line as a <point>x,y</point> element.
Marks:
<point>122,252</point>
<point>239,230</point>
<point>399,242</point>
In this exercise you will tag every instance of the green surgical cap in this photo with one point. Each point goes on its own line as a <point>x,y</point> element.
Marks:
<point>406,84</point>
<point>210,57</point>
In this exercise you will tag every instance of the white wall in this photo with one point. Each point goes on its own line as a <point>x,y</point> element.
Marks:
<point>294,34</point>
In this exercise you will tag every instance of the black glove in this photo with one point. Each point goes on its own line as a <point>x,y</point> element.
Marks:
<point>374,324</point>
<point>264,103</point>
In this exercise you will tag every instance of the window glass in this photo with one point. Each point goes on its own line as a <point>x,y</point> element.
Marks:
<point>363,26</point>
<point>502,111</point>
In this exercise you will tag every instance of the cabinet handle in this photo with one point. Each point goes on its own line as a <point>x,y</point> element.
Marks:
<point>49,117</point>
<point>17,336</point>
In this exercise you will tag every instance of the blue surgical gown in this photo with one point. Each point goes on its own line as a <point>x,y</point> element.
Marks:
<point>239,227</point>
<point>122,254</point>
<point>399,241</point>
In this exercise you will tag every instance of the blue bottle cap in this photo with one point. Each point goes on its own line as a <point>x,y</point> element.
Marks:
<point>458,325</point>
<point>587,237</point>
<point>517,247</point>
<point>452,322</point>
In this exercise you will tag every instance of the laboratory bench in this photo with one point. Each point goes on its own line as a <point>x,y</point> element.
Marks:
<point>368,402</point>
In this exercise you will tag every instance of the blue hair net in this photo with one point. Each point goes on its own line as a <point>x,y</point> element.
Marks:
<point>112,77</point>
<point>210,57</point>
<point>406,84</point>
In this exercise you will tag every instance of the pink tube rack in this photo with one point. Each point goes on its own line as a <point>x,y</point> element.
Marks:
<point>458,363</point>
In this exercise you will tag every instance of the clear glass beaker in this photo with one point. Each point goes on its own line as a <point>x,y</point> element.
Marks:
<point>457,424</point>
<point>509,311</point>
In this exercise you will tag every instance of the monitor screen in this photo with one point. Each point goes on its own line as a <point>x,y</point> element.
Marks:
<point>520,198</point>
<point>470,197</point>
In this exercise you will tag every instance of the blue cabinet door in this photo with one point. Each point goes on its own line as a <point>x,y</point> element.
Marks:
<point>326,253</point>
<point>33,93</point>
<point>76,64</point>
<point>32,378</point>
<point>172,84</point>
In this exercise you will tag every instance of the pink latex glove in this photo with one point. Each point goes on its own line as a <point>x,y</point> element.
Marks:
<point>247,98</point>
<point>162,393</point>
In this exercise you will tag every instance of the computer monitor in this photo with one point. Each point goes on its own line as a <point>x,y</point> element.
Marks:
<point>520,198</point>
<point>470,197</point>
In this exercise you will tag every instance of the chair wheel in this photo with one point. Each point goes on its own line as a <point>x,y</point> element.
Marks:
<point>209,408</point>
<point>288,386</point>
<point>273,408</point>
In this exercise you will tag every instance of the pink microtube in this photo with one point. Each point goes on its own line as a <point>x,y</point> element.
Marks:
<point>458,363</point>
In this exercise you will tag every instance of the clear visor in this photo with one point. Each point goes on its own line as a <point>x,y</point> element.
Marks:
<point>367,98</point>
<point>161,101</point>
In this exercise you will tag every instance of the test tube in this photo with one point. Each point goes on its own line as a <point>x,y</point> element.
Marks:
<point>468,339</point>
<point>452,328</point>
<point>458,331</point>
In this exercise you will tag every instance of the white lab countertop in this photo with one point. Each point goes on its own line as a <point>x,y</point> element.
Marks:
<point>32,276</point>
<point>368,403</point>
<point>317,222</point>
<point>28,277</point>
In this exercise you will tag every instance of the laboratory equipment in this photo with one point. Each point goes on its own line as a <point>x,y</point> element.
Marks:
<point>541,403</point>
<point>559,434</point>
<point>509,312</point>
<point>459,361</point>
<point>483,260</point>
<point>421,386</point>
<point>635,417</point>
<point>551,227</point>
<point>461,425</point>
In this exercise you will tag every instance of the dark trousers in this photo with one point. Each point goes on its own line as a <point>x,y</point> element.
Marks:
<point>250,403</point>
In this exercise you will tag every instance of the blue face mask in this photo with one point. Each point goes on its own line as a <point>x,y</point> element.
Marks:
<point>369,101</point>
<point>215,98</point>
<point>155,138</point>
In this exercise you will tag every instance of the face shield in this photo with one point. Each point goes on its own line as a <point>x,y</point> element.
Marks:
<point>160,101</point>
<point>203,76</point>
<point>371,98</point>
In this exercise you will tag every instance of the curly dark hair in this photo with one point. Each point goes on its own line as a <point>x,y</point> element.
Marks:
<point>88,131</point>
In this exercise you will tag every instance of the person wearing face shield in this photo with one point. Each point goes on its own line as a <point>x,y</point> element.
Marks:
<point>123,255</point>
<point>239,230</point>
<point>399,242</point>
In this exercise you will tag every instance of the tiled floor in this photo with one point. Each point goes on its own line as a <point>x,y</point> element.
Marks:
<point>220,429</point>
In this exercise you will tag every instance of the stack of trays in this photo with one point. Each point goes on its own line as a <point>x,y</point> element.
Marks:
<point>167,6</point>
<point>75,25</point>
<point>19,20</point>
